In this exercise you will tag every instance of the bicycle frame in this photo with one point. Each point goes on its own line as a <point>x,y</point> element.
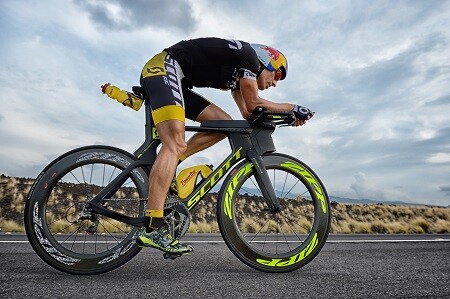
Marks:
<point>247,140</point>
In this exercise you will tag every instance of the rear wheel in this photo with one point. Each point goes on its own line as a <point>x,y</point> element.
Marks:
<point>63,233</point>
<point>280,242</point>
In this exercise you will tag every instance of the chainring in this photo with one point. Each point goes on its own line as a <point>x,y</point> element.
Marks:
<point>177,216</point>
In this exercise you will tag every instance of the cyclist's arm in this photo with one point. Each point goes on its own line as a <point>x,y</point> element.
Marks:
<point>247,99</point>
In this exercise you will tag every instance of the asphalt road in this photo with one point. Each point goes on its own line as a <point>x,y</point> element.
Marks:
<point>349,266</point>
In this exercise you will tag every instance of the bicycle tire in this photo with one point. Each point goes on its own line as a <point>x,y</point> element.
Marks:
<point>52,212</point>
<point>280,242</point>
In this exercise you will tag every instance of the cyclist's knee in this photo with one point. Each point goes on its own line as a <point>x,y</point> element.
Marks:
<point>173,140</point>
<point>179,146</point>
<point>173,149</point>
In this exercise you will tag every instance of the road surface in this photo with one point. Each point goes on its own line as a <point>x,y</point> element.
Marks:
<point>349,266</point>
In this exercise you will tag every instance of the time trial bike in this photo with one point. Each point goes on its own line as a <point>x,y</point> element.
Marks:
<point>85,208</point>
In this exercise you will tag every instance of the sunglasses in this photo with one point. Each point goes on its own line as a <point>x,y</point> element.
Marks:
<point>278,75</point>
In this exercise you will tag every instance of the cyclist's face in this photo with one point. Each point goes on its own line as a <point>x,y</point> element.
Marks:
<point>266,79</point>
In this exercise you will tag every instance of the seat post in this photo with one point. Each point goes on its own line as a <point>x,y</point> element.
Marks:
<point>150,132</point>
<point>149,124</point>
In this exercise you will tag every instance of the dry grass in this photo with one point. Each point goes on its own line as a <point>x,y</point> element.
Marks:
<point>390,219</point>
<point>204,227</point>
<point>346,218</point>
<point>11,226</point>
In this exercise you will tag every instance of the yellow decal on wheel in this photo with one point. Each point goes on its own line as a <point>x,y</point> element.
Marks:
<point>232,186</point>
<point>310,178</point>
<point>293,259</point>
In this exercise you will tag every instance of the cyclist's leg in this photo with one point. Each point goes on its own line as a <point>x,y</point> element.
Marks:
<point>157,235</point>
<point>161,77</point>
<point>172,135</point>
<point>199,109</point>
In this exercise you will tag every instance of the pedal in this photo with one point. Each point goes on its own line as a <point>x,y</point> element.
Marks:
<point>172,256</point>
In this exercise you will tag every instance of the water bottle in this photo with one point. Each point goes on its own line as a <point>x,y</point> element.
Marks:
<point>191,177</point>
<point>124,97</point>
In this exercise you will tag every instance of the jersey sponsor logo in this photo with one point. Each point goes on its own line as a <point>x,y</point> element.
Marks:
<point>246,74</point>
<point>155,66</point>
<point>172,80</point>
<point>155,70</point>
<point>234,44</point>
<point>240,73</point>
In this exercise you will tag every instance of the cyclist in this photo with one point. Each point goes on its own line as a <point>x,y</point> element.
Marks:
<point>168,79</point>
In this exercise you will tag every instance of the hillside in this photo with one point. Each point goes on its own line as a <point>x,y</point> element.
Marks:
<point>346,218</point>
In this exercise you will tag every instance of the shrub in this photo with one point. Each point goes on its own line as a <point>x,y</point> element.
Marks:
<point>422,225</point>
<point>379,227</point>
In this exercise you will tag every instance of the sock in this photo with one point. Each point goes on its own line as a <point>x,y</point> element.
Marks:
<point>181,158</point>
<point>153,220</point>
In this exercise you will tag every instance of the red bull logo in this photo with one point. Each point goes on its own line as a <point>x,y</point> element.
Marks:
<point>274,54</point>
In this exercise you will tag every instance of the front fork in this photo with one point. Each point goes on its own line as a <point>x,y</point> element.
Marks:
<point>263,181</point>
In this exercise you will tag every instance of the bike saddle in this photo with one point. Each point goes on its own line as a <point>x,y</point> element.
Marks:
<point>140,91</point>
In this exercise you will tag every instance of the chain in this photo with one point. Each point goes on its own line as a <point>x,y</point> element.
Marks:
<point>126,199</point>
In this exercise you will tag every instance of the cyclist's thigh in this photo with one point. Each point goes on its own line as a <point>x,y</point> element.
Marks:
<point>161,78</point>
<point>213,112</point>
<point>194,103</point>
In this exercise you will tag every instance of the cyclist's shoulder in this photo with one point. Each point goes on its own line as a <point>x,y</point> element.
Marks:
<point>212,46</point>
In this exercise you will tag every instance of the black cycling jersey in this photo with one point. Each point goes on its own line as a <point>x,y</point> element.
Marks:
<point>215,62</point>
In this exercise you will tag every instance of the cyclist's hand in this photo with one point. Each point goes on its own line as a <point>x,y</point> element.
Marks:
<point>302,114</point>
<point>298,122</point>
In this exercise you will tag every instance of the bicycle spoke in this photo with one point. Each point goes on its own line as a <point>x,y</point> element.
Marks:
<point>111,223</point>
<point>77,186</point>
<point>76,179</point>
<point>111,177</point>
<point>109,233</point>
<point>82,173</point>
<point>92,172</point>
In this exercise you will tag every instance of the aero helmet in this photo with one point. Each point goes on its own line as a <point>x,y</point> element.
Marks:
<point>271,59</point>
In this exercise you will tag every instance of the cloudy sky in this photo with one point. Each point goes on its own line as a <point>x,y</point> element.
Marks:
<point>377,73</point>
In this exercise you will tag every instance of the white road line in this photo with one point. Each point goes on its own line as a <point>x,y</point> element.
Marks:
<point>387,241</point>
<point>221,241</point>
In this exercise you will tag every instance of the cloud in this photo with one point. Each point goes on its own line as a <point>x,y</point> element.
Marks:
<point>441,101</point>
<point>362,188</point>
<point>127,15</point>
<point>445,190</point>
<point>439,158</point>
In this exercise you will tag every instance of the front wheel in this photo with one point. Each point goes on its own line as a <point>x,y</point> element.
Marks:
<point>63,233</point>
<point>279,242</point>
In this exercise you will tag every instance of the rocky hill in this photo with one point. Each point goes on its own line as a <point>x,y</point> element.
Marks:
<point>346,218</point>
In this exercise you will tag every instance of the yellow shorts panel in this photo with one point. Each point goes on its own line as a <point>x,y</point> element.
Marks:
<point>155,66</point>
<point>168,112</point>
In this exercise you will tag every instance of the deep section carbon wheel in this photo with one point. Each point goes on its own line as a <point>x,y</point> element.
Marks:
<point>274,242</point>
<point>66,235</point>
